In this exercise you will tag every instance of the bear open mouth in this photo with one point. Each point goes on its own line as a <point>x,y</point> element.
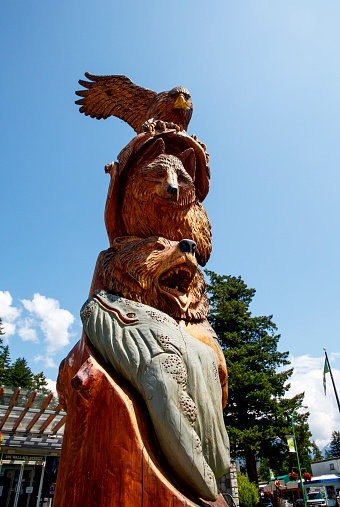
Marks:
<point>176,282</point>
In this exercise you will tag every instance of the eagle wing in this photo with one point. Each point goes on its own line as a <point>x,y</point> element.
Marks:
<point>106,96</point>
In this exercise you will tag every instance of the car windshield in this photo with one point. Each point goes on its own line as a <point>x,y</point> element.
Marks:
<point>315,496</point>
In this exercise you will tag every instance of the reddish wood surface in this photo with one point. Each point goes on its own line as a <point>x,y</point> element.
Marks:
<point>109,457</point>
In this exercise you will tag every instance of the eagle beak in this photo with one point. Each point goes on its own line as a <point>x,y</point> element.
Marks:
<point>181,103</point>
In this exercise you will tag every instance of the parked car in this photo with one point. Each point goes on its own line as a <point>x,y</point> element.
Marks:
<point>285,503</point>
<point>266,501</point>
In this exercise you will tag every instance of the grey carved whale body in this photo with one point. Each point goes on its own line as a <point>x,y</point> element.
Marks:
<point>176,375</point>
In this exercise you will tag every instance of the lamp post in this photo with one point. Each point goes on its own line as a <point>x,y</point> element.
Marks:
<point>298,461</point>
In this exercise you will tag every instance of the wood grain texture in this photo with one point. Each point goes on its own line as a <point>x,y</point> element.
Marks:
<point>109,457</point>
<point>113,273</point>
<point>105,96</point>
<point>148,270</point>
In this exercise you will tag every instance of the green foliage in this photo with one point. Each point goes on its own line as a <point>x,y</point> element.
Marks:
<point>316,453</point>
<point>40,383</point>
<point>248,491</point>
<point>257,414</point>
<point>1,328</point>
<point>334,450</point>
<point>5,363</point>
<point>19,373</point>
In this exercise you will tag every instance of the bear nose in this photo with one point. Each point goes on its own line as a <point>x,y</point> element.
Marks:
<point>187,246</point>
<point>172,190</point>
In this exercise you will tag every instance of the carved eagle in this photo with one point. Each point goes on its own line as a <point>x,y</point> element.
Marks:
<point>118,96</point>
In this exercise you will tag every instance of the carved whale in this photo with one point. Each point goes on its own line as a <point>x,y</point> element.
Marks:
<point>176,375</point>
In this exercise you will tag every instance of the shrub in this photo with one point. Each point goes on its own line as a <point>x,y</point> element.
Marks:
<point>248,491</point>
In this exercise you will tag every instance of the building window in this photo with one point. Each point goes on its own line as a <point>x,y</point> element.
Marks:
<point>331,466</point>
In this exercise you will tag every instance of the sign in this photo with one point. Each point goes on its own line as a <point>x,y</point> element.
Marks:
<point>290,442</point>
<point>23,457</point>
<point>29,490</point>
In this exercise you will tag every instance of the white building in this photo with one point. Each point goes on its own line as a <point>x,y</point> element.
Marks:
<point>326,473</point>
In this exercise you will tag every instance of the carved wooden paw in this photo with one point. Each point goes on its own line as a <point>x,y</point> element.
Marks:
<point>152,125</point>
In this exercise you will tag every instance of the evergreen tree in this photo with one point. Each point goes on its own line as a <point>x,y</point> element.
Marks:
<point>5,365</point>
<point>334,450</point>
<point>2,332</point>
<point>20,374</point>
<point>316,453</point>
<point>4,357</point>
<point>40,383</point>
<point>257,413</point>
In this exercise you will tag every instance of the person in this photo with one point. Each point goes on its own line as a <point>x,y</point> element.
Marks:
<point>277,485</point>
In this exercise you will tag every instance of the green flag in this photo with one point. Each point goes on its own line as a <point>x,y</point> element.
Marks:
<point>325,370</point>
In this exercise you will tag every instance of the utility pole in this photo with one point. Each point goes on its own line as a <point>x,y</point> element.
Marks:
<point>298,461</point>
<point>330,372</point>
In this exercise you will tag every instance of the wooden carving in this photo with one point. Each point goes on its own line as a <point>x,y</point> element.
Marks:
<point>165,365</point>
<point>157,197</point>
<point>145,386</point>
<point>106,96</point>
<point>158,273</point>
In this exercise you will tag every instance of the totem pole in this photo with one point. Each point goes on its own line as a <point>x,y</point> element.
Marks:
<point>145,386</point>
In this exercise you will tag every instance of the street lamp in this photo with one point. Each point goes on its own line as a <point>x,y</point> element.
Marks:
<point>297,457</point>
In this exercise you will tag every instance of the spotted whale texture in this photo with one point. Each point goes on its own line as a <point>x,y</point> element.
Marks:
<point>176,376</point>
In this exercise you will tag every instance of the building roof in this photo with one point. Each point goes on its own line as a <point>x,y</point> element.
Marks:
<point>30,421</point>
<point>323,478</point>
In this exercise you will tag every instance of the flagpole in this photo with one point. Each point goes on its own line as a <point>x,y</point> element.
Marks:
<point>330,371</point>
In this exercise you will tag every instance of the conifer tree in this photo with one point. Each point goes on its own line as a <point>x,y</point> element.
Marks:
<point>2,332</point>
<point>257,414</point>
<point>20,374</point>
<point>4,356</point>
<point>334,450</point>
<point>39,382</point>
<point>316,453</point>
<point>5,364</point>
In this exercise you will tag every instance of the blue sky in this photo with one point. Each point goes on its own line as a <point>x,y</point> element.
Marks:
<point>264,77</point>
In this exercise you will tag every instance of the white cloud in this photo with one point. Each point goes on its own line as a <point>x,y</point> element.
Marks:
<point>47,360</point>
<point>307,377</point>
<point>27,332</point>
<point>8,313</point>
<point>53,321</point>
<point>51,385</point>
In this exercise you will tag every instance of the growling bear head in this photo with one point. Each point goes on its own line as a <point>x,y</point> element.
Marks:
<point>156,272</point>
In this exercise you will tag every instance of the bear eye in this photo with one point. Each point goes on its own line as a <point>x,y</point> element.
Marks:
<point>160,175</point>
<point>131,315</point>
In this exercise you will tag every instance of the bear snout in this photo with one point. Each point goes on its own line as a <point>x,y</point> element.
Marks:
<point>187,246</point>
<point>173,191</point>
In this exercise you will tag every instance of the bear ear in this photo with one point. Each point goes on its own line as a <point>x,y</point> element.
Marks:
<point>155,149</point>
<point>188,159</point>
<point>123,242</point>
